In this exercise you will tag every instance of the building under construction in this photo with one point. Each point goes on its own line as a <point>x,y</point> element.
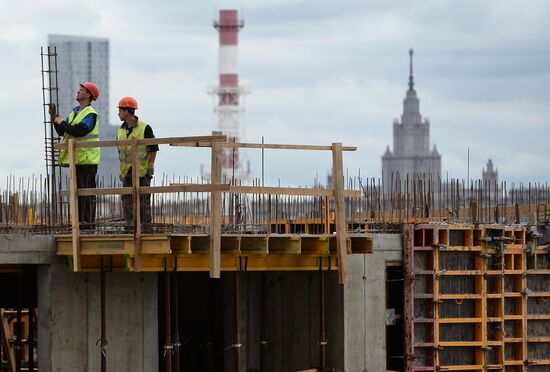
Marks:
<point>410,274</point>
<point>430,276</point>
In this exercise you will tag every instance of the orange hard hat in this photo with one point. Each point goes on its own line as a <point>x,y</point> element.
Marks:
<point>128,102</point>
<point>92,88</point>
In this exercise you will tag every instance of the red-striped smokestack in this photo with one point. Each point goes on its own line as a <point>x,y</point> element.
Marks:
<point>229,91</point>
<point>229,27</point>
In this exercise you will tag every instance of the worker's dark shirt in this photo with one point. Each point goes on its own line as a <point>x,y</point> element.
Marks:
<point>148,133</point>
<point>78,130</point>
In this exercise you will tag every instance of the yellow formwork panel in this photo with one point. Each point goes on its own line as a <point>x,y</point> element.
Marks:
<point>113,245</point>
<point>271,262</point>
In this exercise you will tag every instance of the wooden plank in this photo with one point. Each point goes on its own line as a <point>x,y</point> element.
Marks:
<point>223,187</point>
<point>539,362</point>
<point>189,187</point>
<point>460,320</point>
<point>75,228</point>
<point>104,191</point>
<point>215,210</point>
<point>183,187</point>
<point>136,205</point>
<point>292,191</point>
<point>459,343</point>
<point>273,146</point>
<point>6,332</point>
<point>280,146</point>
<point>340,210</point>
<point>148,141</point>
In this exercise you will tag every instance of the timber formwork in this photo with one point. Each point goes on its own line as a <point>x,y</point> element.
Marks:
<point>239,252</point>
<point>476,299</point>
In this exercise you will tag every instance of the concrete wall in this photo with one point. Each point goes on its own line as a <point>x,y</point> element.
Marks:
<point>69,320</point>
<point>364,305</point>
<point>69,313</point>
<point>292,325</point>
<point>26,249</point>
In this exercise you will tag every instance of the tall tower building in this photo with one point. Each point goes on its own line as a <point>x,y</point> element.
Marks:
<point>229,105</point>
<point>490,173</point>
<point>411,143</point>
<point>81,59</point>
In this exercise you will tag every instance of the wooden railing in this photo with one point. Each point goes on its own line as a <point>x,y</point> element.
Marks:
<point>216,142</point>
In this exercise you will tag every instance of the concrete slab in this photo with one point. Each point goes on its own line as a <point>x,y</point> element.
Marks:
<point>26,249</point>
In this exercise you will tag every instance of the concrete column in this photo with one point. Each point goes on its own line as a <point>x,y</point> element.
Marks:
<point>62,318</point>
<point>365,305</point>
<point>69,320</point>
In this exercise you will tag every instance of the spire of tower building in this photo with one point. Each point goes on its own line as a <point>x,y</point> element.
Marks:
<point>411,77</point>
<point>411,153</point>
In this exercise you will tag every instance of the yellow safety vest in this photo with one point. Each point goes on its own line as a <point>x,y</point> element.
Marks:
<point>125,152</point>
<point>83,156</point>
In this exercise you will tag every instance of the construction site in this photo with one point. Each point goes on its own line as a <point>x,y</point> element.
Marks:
<point>410,272</point>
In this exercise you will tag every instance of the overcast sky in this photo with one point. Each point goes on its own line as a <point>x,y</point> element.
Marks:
<point>318,72</point>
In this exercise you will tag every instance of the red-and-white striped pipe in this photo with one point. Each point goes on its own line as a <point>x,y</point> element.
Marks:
<point>228,27</point>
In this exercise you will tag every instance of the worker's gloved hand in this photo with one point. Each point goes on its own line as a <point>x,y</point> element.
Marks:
<point>52,110</point>
<point>57,119</point>
<point>150,171</point>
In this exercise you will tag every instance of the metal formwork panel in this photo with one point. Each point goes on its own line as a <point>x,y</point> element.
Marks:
<point>460,321</point>
<point>477,299</point>
<point>419,298</point>
<point>537,315</point>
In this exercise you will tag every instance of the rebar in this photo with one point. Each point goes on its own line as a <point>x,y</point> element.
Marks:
<point>26,205</point>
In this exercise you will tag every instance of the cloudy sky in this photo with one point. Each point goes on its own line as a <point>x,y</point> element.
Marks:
<point>318,72</point>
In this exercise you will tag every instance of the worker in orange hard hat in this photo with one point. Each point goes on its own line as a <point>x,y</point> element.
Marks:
<point>82,125</point>
<point>133,128</point>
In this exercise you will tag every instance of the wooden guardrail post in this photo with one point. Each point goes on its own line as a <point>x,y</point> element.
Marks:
<point>340,210</point>
<point>215,209</point>
<point>74,206</point>
<point>136,205</point>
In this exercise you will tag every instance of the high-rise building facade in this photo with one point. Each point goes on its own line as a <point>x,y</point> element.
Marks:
<point>81,59</point>
<point>411,155</point>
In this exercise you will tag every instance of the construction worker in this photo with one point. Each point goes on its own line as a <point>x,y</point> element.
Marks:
<point>82,125</point>
<point>132,128</point>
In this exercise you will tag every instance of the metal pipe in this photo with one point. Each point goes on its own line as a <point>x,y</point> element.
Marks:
<point>263,341</point>
<point>322,335</point>
<point>30,339</point>
<point>19,328</point>
<point>236,324</point>
<point>175,323</point>
<point>103,340</point>
<point>167,323</point>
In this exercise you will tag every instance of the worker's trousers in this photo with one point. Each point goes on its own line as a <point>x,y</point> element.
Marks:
<point>86,178</point>
<point>144,201</point>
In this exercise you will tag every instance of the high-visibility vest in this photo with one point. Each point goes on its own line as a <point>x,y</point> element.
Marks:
<point>83,156</point>
<point>125,152</point>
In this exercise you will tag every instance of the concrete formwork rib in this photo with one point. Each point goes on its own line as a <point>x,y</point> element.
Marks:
<point>191,252</point>
<point>485,294</point>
